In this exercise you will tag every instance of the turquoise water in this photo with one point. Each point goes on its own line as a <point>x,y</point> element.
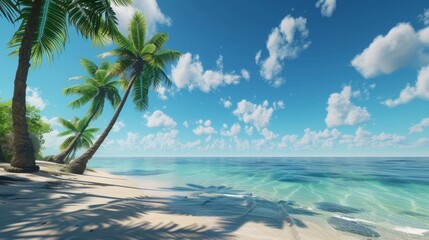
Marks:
<point>384,198</point>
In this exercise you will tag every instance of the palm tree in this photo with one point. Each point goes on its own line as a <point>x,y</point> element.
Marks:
<point>76,129</point>
<point>9,9</point>
<point>43,33</point>
<point>98,87</point>
<point>142,63</point>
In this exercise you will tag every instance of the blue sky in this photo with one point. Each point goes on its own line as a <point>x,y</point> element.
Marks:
<point>263,78</point>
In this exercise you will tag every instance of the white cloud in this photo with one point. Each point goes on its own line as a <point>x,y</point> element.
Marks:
<point>248,130</point>
<point>327,7</point>
<point>161,90</point>
<point>189,73</point>
<point>35,99</point>
<point>131,142</point>
<point>226,102</point>
<point>286,41</point>
<point>425,17</point>
<point>234,131</point>
<point>159,140</point>
<point>258,56</point>
<point>333,138</point>
<point>118,126</point>
<point>52,142</point>
<point>401,47</point>
<point>53,122</point>
<point>268,135</point>
<point>192,144</point>
<point>149,8</point>
<point>420,127</point>
<point>186,124</point>
<point>420,90</point>
<point>258,115</point>
<point>245,74</point>
<point>204,128</point>
<point>341,111</point>
<point>159,119</point>
<point>279,105</point>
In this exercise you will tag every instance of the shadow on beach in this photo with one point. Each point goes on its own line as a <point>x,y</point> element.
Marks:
<point>35,210</point>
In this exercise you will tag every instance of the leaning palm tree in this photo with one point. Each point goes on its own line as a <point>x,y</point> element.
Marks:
<point>76,129</point>
<point>42,34</point>
<point>98,87</point>
<point>140,61</point>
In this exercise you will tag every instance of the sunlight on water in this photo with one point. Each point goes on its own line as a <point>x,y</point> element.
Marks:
<point>389,195</point>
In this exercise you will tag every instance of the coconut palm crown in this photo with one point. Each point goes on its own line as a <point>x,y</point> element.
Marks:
<point>142,64</point>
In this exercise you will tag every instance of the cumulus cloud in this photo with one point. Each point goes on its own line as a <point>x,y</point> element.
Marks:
<point>161,90</point>
<point>425,17</point>
<point>226,102</point>
<point>248,130</point>
<point>52,141</point>
<point>35,99</point>
<point>327,7</point>
<point>419,90</point>
<point>286,41</point>
<point>118,126</point>
<point>419,127</point>
<point>258,115</point>
<point>401,47</point>
<point>332,138</point>
<point>245,74</point>
<point>186,124</point>
<point>149,8</point>
<point>204,128</point>
<point>189,73</point>
<point>158,119</point>
<point>234,131</point>
<point>159,140</point>
<point>341,111</point>
<point>268,135</point>
<point>53,122</point>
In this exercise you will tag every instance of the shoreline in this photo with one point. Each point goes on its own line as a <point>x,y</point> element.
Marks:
<point>100,205</point>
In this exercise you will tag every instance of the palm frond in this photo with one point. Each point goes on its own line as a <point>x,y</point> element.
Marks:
<point>89,66</point>
<point>66,142</point>
<point>51,32</point>
<point>137,30</point>
<point>140,92</point>
<point>67,124</point>
<point>158,40</point>
<point>9,9</point>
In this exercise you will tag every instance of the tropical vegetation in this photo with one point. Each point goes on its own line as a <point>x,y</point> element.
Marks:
<point>142,64</point>
<point>100,85</point>
<point>36,126</point>
<point>77,135</point>
<point>43,33</point>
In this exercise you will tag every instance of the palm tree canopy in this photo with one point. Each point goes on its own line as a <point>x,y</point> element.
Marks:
<point>93,19</point>
<point>72,129</point>
<point>141,61</point>
<point>97,87</point>
<point>9,9</point>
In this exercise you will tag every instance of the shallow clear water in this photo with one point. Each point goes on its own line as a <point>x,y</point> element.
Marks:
<point>390,195</point>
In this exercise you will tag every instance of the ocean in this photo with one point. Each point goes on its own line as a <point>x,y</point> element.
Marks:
<point>367,198</point>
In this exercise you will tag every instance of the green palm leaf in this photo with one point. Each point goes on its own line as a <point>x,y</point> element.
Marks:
<point>9,9</point>
<point>137,30</point>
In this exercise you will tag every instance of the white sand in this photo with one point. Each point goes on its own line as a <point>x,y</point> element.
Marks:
<point>98,205</point>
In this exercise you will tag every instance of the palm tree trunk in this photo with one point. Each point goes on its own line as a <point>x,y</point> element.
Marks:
<point>23,150</point>
<point>63,155</point>
<point>78,165</point>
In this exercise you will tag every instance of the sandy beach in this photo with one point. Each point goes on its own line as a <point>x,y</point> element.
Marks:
<point>99,205</point>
